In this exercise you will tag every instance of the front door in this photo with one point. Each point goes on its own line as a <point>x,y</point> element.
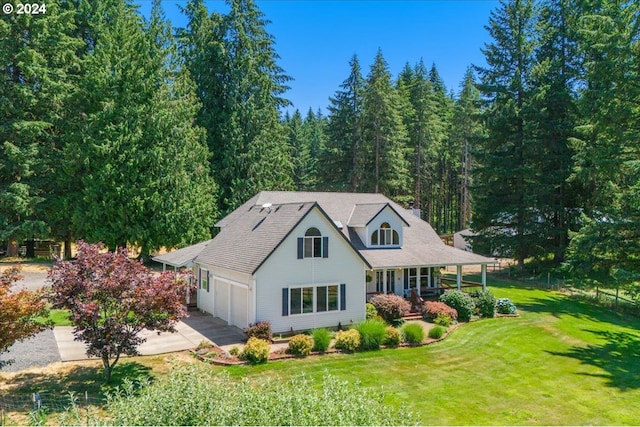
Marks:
<point>391,281</point>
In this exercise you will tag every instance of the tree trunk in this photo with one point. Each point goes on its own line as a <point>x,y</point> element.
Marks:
<point>107,368</point>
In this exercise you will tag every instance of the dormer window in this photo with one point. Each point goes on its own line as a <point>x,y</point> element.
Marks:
<point>385,236</point>
<point>313,244</point>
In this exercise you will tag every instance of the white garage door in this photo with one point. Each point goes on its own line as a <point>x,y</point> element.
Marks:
<point>221,300</point>
<point>239,306</point>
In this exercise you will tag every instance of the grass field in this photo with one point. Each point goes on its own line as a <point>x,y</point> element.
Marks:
<point>561,362</point>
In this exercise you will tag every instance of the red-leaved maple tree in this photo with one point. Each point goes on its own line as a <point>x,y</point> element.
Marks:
<point>19,311</point>
<point>112,298</point>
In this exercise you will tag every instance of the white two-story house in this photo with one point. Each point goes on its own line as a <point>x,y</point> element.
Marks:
<point>303,260</point>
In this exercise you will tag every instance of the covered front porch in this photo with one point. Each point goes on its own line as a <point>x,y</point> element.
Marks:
<point>426,281</point>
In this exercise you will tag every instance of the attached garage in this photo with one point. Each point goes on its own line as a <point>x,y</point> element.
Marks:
<point>238,303</point>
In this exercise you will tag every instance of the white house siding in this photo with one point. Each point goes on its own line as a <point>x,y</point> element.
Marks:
<point>229,296</point>
<point>283,270</point>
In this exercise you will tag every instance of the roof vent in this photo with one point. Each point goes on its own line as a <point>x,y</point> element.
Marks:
<point>266,206</point>
<point>338,224</point>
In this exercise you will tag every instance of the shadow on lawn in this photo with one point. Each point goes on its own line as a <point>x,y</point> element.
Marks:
<point>558,304</point>
<point>56,388</point>
<point>618,357</point>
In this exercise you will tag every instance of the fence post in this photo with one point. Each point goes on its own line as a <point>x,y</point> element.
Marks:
<point>617,290</point>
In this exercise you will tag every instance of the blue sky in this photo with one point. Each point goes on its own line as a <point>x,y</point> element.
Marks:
<point>316,38</point>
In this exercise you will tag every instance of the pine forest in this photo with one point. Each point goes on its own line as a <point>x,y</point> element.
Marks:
<point>118,128</point>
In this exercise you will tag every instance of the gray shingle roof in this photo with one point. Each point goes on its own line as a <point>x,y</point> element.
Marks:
<point>249,235</point>
<point>182,257</point>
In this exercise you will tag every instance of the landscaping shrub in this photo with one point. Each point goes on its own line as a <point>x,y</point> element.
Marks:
<point>321,339</point>
<point>505,306</point>
<point>443,320</point>
<point>413,333</point>
<point>255,351</point>
<point>348,340</point>
<point>485,303</point>
<point>432,309</point>
<point>300,345</point>
<point>462,302</point>
<point>436,332</point>
<point>372,333</point>
<point>391,307</point>
<point>392,337</point>
<point>372,313</point>
<point>260,330</point>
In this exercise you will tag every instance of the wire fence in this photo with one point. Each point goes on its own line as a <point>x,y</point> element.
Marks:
<point>49,401</point>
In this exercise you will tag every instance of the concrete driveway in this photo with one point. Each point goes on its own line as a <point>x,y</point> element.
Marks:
<point>190,332</point>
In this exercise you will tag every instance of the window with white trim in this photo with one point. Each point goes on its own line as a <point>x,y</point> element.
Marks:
<point>204,279</point>
<point>385,236</point>
<point>313,299</point>
<point>313,244</point>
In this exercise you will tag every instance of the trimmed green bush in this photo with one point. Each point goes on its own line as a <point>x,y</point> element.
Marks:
<point>485,303</point>
<point>413,333</point>
<point>391,307</point>
<point>432,309</point>
<point>392,337</point>
<point>372,333</point>
<point>462,302</point>
<point>436,332</point>
<point>255,351</point>
<point>300,345</point>
<point>348,340</point>
<point>505,306</point>
<point>321,339</point>
<point>372,313</point>
<point>260,330</point>
<point>442,320</point>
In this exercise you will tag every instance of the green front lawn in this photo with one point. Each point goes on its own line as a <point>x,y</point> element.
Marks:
<point>562,362</point>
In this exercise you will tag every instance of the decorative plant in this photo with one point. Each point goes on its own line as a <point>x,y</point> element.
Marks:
<point>300,345</point>
<point>260,330</point>
<point>255,351</point>
<point>461,302</point>
<point>485,303</point>
<point>413,333</point>
<point>392,337</point>
<point>432,309</point>
<point>391,307</point>
<point>321,339</point>
<point>436,332</point>
<point>348,340</point>
<point>505,306</point>
<point>372,333</point>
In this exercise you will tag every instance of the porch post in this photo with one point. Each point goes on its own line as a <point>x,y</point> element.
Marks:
<point>429,277</point>
<point>384,281</point>
<point>459,277</point>
<point>484,276</point>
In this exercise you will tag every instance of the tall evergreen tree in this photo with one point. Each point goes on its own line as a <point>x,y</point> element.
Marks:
<point>505,201</point>
<point>607,247</point>
<point>384,133</point>
<point>304,175</point>
<point>145,178</point>
<point>37,62</point>
<point>466,132</point>
<point>234,65</point>
<point>555,117</point>
<point>343,155</point>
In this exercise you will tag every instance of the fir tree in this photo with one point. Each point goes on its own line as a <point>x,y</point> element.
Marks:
<point>343,156</point>
<point>504,195</point>
<point>384,133</point>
